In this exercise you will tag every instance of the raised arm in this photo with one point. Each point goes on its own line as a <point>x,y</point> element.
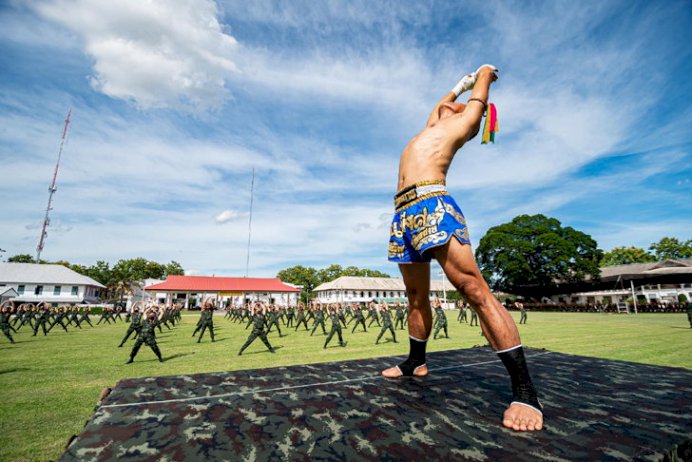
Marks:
<point>469,121</point>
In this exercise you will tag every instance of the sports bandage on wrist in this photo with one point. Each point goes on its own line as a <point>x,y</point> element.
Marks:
<point>465,84</point>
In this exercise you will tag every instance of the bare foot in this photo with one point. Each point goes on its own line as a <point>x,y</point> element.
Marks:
<point>522,418</point>
<point>395,372</point>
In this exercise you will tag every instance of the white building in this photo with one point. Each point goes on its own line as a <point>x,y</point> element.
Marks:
<point>351,289</point>
<point>655,282</point>
<point>35,283</point>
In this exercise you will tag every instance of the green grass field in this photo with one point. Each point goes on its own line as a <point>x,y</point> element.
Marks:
<point>50,385</point>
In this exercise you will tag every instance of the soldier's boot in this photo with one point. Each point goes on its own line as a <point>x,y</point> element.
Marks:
<point>157,352</point>
<point>266,342</point>
<point>134,352</point>
<point>394,336</point>
<point>211,334</point>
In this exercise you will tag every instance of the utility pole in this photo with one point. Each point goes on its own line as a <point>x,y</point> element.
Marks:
<point>249,229</point>
<point>51,191</point>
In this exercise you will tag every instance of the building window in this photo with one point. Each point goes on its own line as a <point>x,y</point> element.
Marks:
<point>20,290</point>
<point>38,290</point>
<point>56,290</point>
<point>75,290</point>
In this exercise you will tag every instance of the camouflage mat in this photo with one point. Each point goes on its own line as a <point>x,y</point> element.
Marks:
<point>595,410</point>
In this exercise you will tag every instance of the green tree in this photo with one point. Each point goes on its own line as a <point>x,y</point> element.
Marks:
<point>329,273</point>
<point>626,255</point>
<point>301,276</point>
<point>671,247</point>
<point>173,268</point>
<point>536,250</point>
<point>21,258</point>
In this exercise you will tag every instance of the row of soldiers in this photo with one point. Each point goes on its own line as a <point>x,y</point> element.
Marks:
<point>40,317</point>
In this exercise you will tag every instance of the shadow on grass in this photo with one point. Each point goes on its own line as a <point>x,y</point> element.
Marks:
<point>177,355</point>
<point>16,369</point>
<point>678,327</point>
<point>276,348</point>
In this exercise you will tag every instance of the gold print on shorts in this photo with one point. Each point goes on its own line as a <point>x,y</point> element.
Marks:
<point>429,234</point>
<point>457,216</point>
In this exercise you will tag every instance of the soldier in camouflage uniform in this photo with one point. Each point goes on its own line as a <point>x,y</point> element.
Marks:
<point>207,320</point>
<point>300,317</point>
<point>520,306</point>
<point>85,316</point>
<point>42,318</point>
<point>319,320</point>
<point>336,327</point>
<point>290,316</point>
<point>373,314</point>
<point>358,318</point>
<point>60,316</point>
<point>147,334</point>
<point>400,316</point>
<point>689,313</point>
<point>135,323</point>
<point>105,316</point>
<point>5,326</point>
<point>474,317</point>
<point>440,319</point>
<point>462,312</point>
<point>274,315</point>
<point>386,322</point>
<point>259,324</point>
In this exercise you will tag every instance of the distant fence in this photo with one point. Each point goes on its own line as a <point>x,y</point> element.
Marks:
<point>604,308</point>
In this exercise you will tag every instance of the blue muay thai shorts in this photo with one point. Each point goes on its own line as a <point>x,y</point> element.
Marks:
<point>425,217</point>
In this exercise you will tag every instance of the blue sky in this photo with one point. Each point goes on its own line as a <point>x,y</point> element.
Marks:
<point>174,104</point>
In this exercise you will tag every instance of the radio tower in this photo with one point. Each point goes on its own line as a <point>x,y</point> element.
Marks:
<point>51,191</point>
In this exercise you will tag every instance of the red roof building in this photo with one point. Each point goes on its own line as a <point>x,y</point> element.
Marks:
<point>226,290</point>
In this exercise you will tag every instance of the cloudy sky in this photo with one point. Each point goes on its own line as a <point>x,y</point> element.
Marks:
<point>174,103</point>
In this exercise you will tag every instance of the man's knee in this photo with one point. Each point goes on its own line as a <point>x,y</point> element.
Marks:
<point>473,290</point>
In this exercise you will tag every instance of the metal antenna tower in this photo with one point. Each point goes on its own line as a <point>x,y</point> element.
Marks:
<point>249,228</point>
<point>51,191</point>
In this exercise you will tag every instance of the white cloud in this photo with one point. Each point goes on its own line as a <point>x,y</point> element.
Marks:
<point>228,215</point>
<point>156,53</point>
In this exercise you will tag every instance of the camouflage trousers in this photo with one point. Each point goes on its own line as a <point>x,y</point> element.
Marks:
<point>6,331</point>
<point>334,330</point>
<point>385,328</point>
<point>439,327</point>
<point>359,321</point>
<point>150,343</point>
<point>206,326</point>
<point>319,323</point>
<point>129,332</point>
<point>253,335</point>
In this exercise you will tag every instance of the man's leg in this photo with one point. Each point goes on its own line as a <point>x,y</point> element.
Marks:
<point>417,281</point>
<point>460,267</point>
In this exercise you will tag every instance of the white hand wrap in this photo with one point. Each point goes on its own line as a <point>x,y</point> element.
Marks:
<point>465,84</point>
<point>469,80</point>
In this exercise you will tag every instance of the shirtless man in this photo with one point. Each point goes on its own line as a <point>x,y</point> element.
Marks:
<point>429,224</point>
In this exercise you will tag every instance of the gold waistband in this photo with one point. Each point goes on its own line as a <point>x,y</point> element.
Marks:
<point>410,193</point>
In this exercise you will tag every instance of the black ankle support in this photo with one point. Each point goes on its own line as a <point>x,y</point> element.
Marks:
<point>416,356</point>
<point>523,390</point>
